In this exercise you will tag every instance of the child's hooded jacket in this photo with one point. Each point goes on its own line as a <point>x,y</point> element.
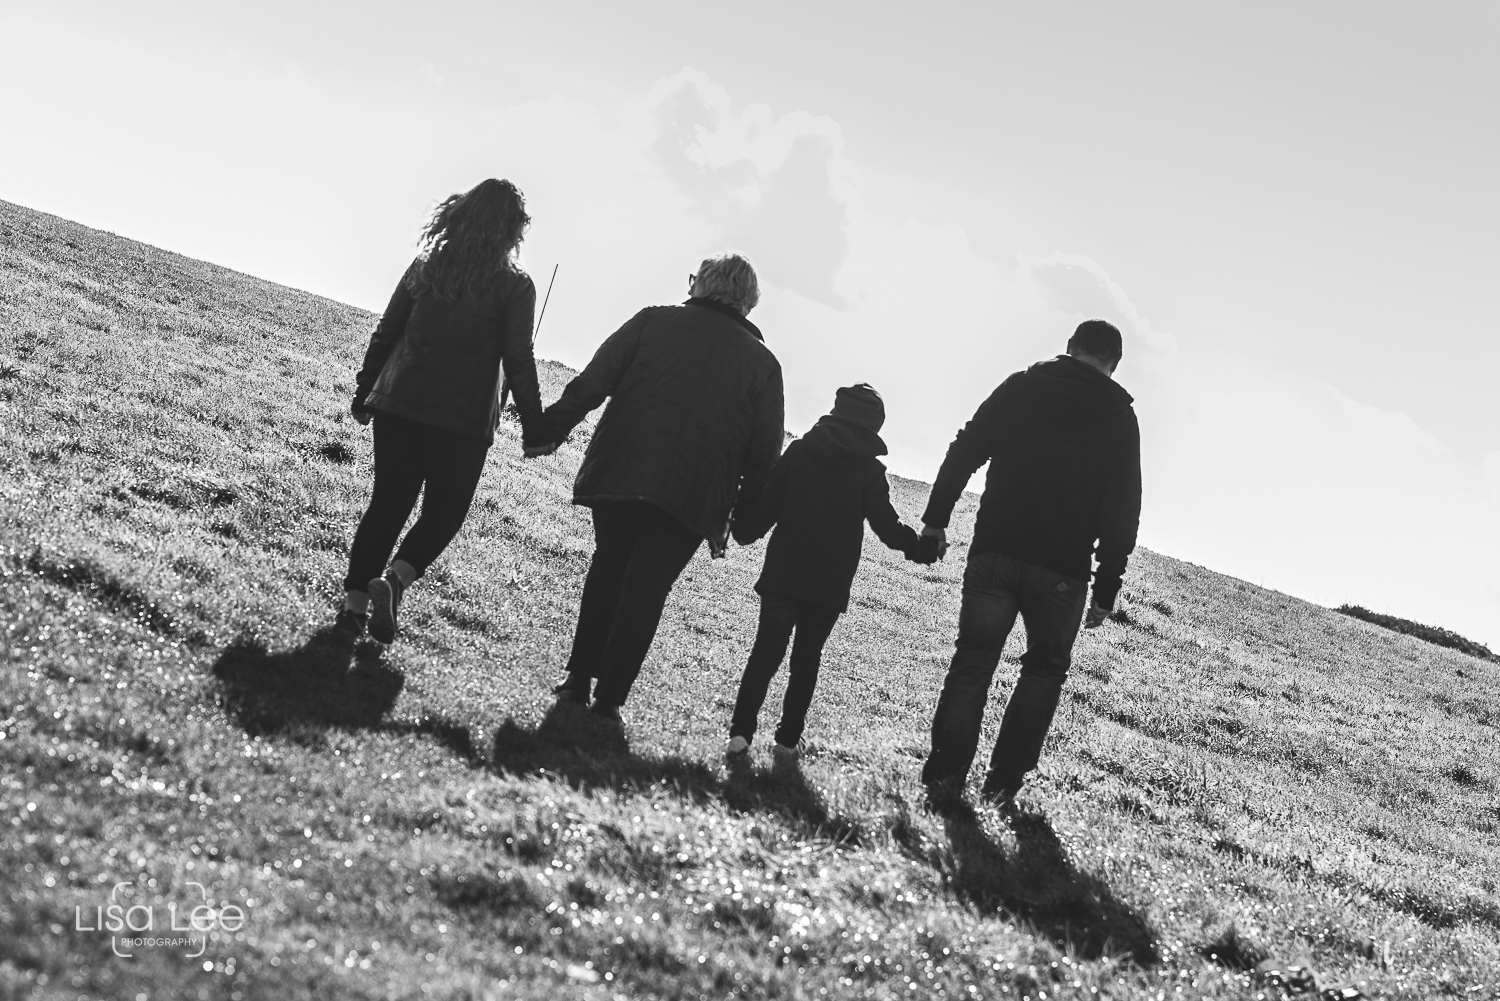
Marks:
<point>823,489</point>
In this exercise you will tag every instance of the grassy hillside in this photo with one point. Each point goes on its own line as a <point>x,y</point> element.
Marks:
<point>1235,775</point>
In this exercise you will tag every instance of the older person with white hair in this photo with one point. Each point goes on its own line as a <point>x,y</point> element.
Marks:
<point>693,427</point>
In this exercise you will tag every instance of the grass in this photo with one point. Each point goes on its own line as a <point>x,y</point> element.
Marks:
<point>1237,779</point>
<point>1432,634</point>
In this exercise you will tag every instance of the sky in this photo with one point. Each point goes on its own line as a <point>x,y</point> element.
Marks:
<point>1290,210</point>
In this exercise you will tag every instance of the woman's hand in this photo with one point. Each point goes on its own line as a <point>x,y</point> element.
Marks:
<point>360,412</point>
<point>537,451</point>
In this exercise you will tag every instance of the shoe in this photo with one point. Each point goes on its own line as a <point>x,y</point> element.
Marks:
<point>606,710</point>
<point>786,757</point>
<point>574,688</point>
<point>385,599</point>
<point>1000,797</point>
<point>944,797</point>
<point>737,751</point>
<point>350,623</point>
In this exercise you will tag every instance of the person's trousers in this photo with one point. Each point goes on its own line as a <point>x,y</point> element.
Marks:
<point>639,552</point>
<point>410,459</point>
<point>996,589</point>
<point>779,617</point>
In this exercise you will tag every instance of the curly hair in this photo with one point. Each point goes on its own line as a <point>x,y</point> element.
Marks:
<point>730,279</point>
<point>470,241</point>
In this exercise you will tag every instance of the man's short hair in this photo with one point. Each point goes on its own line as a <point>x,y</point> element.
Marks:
<point>1097,339</point>
<point>730,279</point>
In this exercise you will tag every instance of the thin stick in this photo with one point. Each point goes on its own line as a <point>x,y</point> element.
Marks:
<point>504,386</point>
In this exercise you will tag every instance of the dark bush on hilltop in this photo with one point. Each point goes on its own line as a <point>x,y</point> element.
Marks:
<point>1432,634</point>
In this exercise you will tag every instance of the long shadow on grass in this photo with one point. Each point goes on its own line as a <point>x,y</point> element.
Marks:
<point>576,747</point>
<point>1037,884</point>
<point>330,681</point>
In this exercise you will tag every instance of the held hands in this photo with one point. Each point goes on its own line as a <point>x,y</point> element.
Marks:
<point>941,535</point>
<point>537,451</point>
<point>1095,616</point>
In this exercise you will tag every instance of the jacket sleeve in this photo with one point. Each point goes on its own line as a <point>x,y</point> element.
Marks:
<point>972,447</point>
<point>388,332</point>
<point>1120,511</point>
<point>597,382</point>
<point>767,432</point>
<point>753,520</point>
<point>883,518</point>
<point>519,363</point>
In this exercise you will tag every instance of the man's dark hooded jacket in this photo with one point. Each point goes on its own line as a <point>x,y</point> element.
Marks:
<point>694,422</point>
<point>438,363</point>
<point>1064,451</point>
<point>824,488</point>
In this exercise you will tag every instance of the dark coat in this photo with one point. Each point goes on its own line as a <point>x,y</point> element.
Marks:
<point>822,491</point>
<point>1064,451</point>
<point>438,363</point>
<point>694,422</point>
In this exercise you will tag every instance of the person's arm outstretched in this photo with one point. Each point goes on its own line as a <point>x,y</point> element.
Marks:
<point>883,519</point>
<point>1120,515</point>
<point>972,447</point>
<point>763,450</point>
<point>752,520</point>
<point>598,380</point>
<point>519,363</point>
<point>388,332</point>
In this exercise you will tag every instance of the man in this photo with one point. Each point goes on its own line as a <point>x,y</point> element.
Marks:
<point>1064,451</point>
<point>692,429</point>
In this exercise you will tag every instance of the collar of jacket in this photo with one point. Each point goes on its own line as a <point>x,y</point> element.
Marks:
<point>727,310</point>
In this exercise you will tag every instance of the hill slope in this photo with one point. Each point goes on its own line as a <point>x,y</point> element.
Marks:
<point>1234,774</point>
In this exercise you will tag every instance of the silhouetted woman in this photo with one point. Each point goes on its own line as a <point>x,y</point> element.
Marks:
<point>430,379</point>
<point>693,427</point>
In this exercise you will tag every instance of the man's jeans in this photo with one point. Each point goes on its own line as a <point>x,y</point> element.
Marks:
<point>996,587</point>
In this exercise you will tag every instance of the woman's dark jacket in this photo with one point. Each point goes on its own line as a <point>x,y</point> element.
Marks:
<point>1064,451</point>
<point>694,422</point>
<point>439,363</point>
<point>821,493</point>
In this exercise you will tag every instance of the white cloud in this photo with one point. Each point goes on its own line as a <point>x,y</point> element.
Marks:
<point>1076,285</point>
<point>1490,470</point>
<point>1386,426</point>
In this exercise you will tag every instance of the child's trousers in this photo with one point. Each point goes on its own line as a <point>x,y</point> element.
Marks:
<point>779,616</point>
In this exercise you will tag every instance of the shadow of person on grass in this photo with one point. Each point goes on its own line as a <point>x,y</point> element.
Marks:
<point>331,681</point>
<point>575,746</point>
<point>1037,884</point>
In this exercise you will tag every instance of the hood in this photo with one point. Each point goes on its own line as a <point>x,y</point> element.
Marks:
<point>839,438</point>
<point>1068,391</point>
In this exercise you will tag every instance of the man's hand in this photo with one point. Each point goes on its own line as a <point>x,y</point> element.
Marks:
<point>1096,615</point>
<point>537,451</point>
<point>359,412</point>
<point>928,532</point>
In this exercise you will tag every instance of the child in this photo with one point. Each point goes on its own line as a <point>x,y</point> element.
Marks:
<point>823,489</point>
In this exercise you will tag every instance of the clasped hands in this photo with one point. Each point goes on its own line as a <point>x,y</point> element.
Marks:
<point>932,545</point>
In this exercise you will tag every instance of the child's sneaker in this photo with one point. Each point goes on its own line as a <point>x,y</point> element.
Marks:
<point>737,750</point>
<point>349,623</point>
<point>385,599</point>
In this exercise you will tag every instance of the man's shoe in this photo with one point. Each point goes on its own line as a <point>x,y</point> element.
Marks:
<point>385,598</point>
<point>574,688</point>
<point>606,710</point>
<point>787,757</point>
<point>737,751</point>
<point>1000,797</point>
<point>349,623</point>
<point>944,797</point>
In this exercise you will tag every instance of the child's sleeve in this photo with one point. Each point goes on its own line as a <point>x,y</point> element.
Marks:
<point>883,517</point>
<point>754,520</point>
